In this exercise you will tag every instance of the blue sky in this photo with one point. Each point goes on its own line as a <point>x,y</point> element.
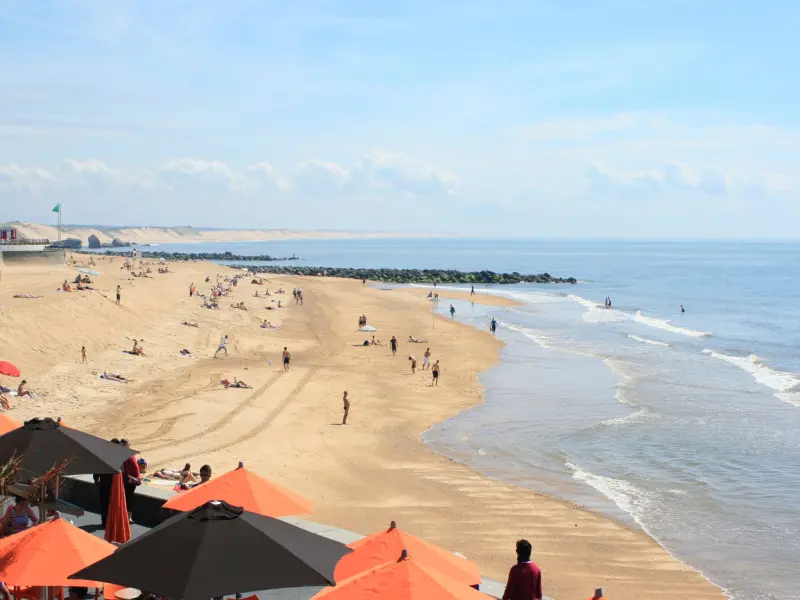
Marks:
<point>666,118</point>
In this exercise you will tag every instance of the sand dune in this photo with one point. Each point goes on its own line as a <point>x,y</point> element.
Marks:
<point>360,476</point>
<point>187,235</point>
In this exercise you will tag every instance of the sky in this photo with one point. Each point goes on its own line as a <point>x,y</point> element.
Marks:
<point>557,118</point>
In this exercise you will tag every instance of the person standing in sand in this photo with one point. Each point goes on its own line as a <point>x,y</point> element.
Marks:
<point>472,291</point>
<point>346,403</point>
<point>524,578</point>
<point>393,344</point>
<point>413,364</point>
<point>287,358</point>
<point>435,372</point>
<point>83,355</point>
<point>119,295</point>
<point>426,359</point>
<point>223,346</point>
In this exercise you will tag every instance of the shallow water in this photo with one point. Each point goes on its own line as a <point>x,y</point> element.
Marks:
<point>687,424</point>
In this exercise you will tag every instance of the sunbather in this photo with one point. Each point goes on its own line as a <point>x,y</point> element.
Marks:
<point>115,377</point>
<point>236,384</point>
<point>22,392</point>
<point>137,349</point>
<point>414,340</point>
<point>188,324</point>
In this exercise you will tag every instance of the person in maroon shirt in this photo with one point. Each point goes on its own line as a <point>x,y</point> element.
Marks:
<point>131,477</point>
<point>524,578</point>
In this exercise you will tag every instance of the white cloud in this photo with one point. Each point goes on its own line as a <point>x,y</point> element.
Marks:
<point>384,169</point>
<point>675,177</point>
<point>264,171</point>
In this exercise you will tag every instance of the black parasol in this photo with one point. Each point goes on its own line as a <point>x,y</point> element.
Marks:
<point>218,549</point>
<point>42,444</point>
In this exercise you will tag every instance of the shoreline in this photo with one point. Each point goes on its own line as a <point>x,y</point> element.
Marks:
<point>379,470</point>
<point>623,519</point>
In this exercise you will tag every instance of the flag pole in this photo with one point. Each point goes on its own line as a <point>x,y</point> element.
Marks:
<point>59,221</point>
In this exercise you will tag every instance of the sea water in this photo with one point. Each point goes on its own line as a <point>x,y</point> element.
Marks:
<point>685,424</point>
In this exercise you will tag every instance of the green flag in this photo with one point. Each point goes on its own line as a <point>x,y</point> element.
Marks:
<point>57,207</point>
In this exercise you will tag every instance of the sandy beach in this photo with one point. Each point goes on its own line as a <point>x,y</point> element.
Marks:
<point>287,427</point>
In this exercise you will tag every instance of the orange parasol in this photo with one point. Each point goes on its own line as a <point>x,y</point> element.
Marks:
<point>7,424</point>
<point>118,527</point>
<point>403,579</point>
<point>47,554</point>
<point>384,546</point>
<point>242,488</point>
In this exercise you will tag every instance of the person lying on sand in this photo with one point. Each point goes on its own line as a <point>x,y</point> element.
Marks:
<point>236,384</point>
<point>188,324</point>
<point>4,402</point>
<point>186,352</point>
<point>26,296</point>
<point>184,476</point>
<point>239,305</point>
<point>414,340</point>
<point>267,325</point>
<point>114,377</point>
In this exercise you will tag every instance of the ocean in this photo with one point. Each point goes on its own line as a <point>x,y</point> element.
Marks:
<point>684,424</point>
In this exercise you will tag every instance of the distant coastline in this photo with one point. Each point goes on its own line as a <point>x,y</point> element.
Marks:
<point>189,235</point>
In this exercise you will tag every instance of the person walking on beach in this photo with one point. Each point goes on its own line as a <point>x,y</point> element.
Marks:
<point>426,359</point>
<point>493,326</point>
<point>435,371</point>
<point>413,364</point>
<point>223,346</point>
<point>393,344</point>
<point>598,594</point>
<point>452,312</point>
<point>287,358</point>
<point>83,355</point>
<point>118,294</point>
<point>524,578</point>
<point>472,291</point>
<point>346,403</point>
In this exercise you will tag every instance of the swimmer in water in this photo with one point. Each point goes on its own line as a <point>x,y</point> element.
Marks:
<point>683,310</point>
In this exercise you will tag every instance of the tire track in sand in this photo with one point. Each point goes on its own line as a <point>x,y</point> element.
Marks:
<point>227,418</point>
<point>261,426</point>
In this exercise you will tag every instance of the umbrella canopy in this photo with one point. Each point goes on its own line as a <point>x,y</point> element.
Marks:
<point>6,368</point>
<point>46,555</point>
<point>7,424</point>
<point>88,272</point>
<point>367,328</point>
<point>44,443</point>
<point>118,526</point>
<point>384,546</point>
<point>403,579</point>
<point>246,489</point>
<point>219,549</point>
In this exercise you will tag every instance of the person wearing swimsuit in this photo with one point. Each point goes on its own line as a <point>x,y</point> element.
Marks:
<point>287,358</point>
<point>18,517</point>
<point>435,372</point>
<point>346,403</point>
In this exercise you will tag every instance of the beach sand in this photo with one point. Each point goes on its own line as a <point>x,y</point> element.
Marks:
<point>360,476</point>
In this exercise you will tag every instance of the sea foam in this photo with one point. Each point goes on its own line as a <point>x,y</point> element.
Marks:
<point>786,385</point>
<point>667,326</point>
<point>647,341</point>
